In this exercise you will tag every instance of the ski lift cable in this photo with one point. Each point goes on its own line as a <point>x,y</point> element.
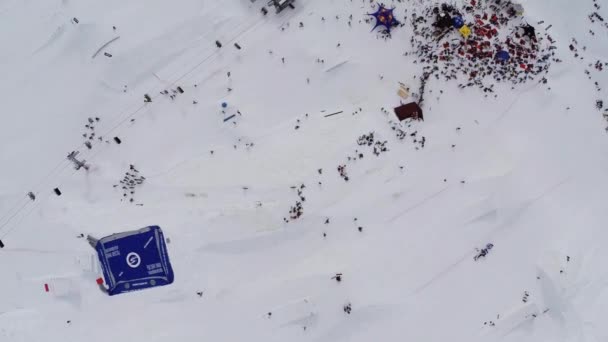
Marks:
<point>19,220</point>
<point>34,205</point>
<point>190,71</point>
<point>154,90</point>
<point>9,218</point>
<point>130,115</point>
<point>12,209</point>
<point>65,164</point>
<point>34,189</point>
<point>241,33</point>
<point>243,29</point>
<point>117,125</point>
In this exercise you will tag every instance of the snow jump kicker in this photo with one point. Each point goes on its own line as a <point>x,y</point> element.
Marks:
<point>133,260</point>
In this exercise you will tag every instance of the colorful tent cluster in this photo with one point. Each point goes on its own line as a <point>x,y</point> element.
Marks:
<point>384,17</point>
<point>480,39</point>
<point>459,24</point>
<point>492,44</point>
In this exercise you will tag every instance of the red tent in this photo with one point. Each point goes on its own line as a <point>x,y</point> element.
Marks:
<point>410,110</point>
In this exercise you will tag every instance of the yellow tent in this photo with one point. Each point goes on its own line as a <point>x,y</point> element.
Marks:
<point>403,92</point>
<point>519,9</point>
<point>465,31</point>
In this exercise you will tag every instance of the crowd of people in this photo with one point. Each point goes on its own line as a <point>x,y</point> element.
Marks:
<point>499,47</point>
<point>89,133</point>
<point>129,183</point>
<point>296,211</point>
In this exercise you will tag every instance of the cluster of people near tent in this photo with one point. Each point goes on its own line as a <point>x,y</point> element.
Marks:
<point>380,147</point>
<point>369,140</point>
<point>399,133</point>
<point>494,41</point>
<point>419,141</point>
<point>366,139</point>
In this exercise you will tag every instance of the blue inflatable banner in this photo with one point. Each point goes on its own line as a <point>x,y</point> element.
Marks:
<point>134,260</point>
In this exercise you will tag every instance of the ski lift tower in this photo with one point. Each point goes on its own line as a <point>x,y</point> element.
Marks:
<point>280,5</point>
<point>77,163</point>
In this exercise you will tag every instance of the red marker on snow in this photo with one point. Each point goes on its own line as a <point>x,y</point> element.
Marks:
<point>99,281</point>
<point>46,287</point>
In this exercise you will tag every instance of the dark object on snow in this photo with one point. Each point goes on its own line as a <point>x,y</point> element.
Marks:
<point>117,140</point>
<point>1,244</point>
<point>147,98</point>
<point>107,54</point>
<point>444,21</point>
<point>57,191</point>
<point>31,196</point>
<point>181,91</point>
<point>348,308</point>
<point>332,114</point>
<point>76,20</point>
<point>410,110</point>
<point>280,5</point>
<point>218,44</point>
<point>338,277</point>
<point>88,144</point>
<point>483,252</point>
<point>529,31</point>
<point>264,11</point>
<point>230,117</point>
<point>236,45</point>
<point>77,163</point>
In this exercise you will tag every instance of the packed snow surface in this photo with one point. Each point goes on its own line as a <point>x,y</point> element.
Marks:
<point>258,217</point>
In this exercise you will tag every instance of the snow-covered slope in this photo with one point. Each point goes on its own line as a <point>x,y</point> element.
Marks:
<point>524,171</point>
